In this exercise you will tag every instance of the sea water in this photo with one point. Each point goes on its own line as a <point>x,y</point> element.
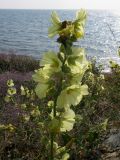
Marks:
<point>26,32</point>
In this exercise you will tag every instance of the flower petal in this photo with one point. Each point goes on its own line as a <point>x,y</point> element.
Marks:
<point>71,96</point>
<point>50,60</point>
<point>68,120</point>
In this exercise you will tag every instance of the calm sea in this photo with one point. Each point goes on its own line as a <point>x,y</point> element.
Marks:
<point>26,32</point>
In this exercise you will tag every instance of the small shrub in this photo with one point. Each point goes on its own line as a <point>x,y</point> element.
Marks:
<point>19,63</point>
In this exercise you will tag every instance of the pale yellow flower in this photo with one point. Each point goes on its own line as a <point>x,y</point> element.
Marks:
<point>51,62</point>
<point>10,83</point>
<point>41,90</point>
<point>77,61</point>
<point>67,120</point>
<point>11,91</point>
<point>68,28</point>
<point>41,76</point>
<point>72,96</point>
<point>76,78</point>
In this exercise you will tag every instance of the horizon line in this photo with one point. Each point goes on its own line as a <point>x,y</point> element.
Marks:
<point>57,8</point>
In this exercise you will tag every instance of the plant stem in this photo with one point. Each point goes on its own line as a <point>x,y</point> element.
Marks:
<point>52,134</point>
<point>54,113</point>
<point>51,149</point>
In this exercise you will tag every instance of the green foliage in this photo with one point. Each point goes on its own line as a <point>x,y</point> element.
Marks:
<point>113,78</point>
<point>18,63</point>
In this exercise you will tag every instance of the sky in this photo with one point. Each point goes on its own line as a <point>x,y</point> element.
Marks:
<point>60,4</point>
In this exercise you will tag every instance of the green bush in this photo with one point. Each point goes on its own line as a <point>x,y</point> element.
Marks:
<point>19,63</point>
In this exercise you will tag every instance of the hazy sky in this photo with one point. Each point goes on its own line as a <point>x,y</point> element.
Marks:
<point>61,4</point>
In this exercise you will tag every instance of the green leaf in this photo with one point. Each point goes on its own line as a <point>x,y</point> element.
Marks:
<point>56,25</point>
<point>22,91</point>
<point>54,125</point>
<point>81,15</point>
<point>55,18</point>
<point>104,124</point>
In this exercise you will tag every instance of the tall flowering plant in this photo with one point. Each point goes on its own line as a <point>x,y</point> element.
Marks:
<point>59,80</point>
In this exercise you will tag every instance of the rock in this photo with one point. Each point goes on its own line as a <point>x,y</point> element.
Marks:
<point>113,141</point>
<point>111,145</point>
<point>111,156</point>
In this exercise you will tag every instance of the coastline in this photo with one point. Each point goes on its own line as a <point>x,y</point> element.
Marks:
<point>24,63</point>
